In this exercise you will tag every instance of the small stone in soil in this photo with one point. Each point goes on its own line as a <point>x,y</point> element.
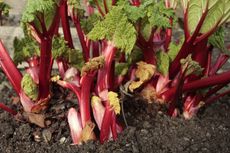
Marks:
<point>47,135</point>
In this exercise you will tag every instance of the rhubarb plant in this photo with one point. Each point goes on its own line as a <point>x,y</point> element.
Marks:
<point>126,44</point>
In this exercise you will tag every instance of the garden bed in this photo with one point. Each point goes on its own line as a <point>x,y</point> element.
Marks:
<point>148,131</point>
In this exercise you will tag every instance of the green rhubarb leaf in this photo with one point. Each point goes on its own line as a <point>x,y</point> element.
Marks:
<point>146,30</point>
<point>60,49</point>
<point>217,40</point>
<point>4,8</point>
<point>158,15</point>
<point>115,28</point>
<point>135,56</point>
<point>195,9</point>
<point>214,16</point>
<point>37,10</point>
<point>87,24</point>
<point>121,69</point>
<point>154,15</point>
<point>190,67</point>
<point>163,62</point>
<point>25,48</point>
<point>133,13</point>
<point>174,49</point>
<point>218,11</point>
<point>29,87</point>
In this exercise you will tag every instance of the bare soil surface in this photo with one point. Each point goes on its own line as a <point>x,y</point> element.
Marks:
<point>148,130</point>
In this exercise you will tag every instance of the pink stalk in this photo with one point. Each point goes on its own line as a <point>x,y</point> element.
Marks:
<point>191,106</point>
<point>84,102</point>
<point>75,125</point>
<point>98,112</point>
<point>106,124</point>
<point>9,110</point>
<point>62,66</point>
<point>9,68</point>
<point>63,12</point>
<point>26,102</point>
<point>104,74</point>
<point>81,36</point>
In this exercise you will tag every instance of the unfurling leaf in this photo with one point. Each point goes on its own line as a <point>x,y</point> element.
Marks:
<point>190,67</point>
<point>29,87</point>
<point>114,102</point>
<point>87,132</point>
<point>93,64</point>
<point>143,74</point>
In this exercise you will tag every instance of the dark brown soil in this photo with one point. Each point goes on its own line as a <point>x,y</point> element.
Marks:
<point>148,131</point>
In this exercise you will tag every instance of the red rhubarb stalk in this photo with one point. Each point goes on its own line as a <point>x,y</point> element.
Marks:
<point>6,108</point>
<point>9,68</point>
<point>45,67</point>
<point>65,23</point>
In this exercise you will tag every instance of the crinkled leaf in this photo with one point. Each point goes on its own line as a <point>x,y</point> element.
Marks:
<point>133,13</point>
<point>87,132</point>
<point>114,102</point>
<point>93,64</point>
<point>29,87</point>
<point>158,15</point>
<point>25,48</point>
<point>60,49</point>
<point>163,62</point>
<point>190,67</point>
<point>87,24</point>
<point>36,9</point>
<point>143,74</point>
<point>116,28</point>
